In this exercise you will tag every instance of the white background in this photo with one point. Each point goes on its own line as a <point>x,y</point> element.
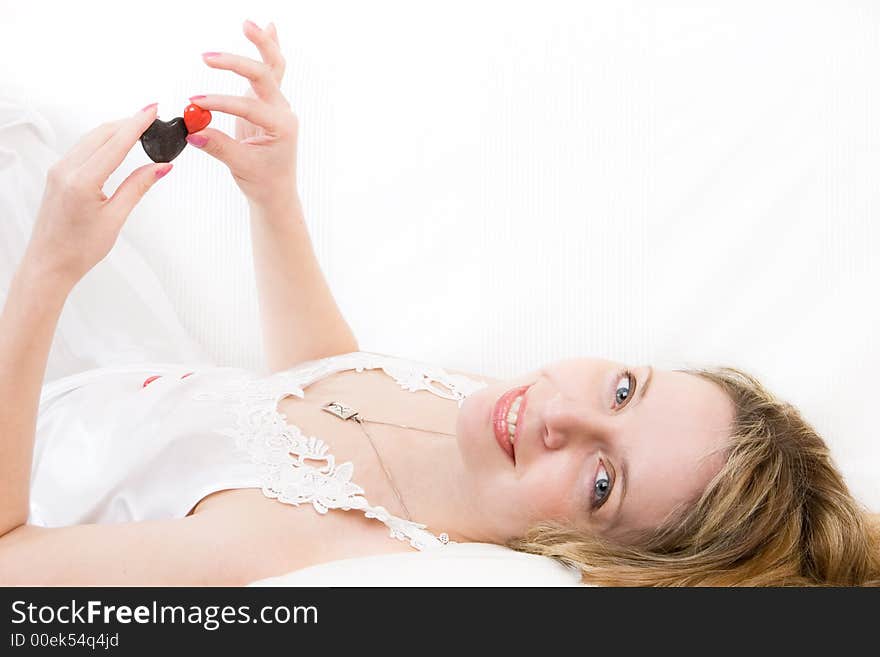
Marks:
<point>490,186</point>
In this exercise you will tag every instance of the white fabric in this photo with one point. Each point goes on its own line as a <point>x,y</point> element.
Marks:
<point>118,329</point>
<point>109,450</point>
<point>112,446</point>
<point>119,312</point>
<point>675,183</point>
<point>300,469</point>
<point>668,183</point>
<point>460,564</point>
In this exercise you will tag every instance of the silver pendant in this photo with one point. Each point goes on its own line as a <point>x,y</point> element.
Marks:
<point>339,410</point>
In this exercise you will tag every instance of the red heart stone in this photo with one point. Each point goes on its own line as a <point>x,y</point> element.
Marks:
<point>195,118</point>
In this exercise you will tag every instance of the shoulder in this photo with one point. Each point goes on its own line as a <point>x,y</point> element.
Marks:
<point>171,552</point>
<point>470,375</point>
<point>239,539</point>
<point>281,538</point>
<point>489,380</point>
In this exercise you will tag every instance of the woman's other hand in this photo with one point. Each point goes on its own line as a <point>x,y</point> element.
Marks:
<point>262,157</point>
<point>77,225</point>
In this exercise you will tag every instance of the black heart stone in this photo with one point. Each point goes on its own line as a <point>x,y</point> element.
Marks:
<point>164,141</point>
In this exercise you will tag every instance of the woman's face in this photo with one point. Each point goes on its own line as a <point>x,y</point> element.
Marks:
<point>612,448</point>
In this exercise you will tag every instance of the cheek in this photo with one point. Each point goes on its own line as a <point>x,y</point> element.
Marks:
<point>555,488</point>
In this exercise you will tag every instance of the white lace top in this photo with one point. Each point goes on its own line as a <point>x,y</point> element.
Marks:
<point>145,442</point>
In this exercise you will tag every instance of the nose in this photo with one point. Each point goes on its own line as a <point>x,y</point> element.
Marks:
<point>568,420</point>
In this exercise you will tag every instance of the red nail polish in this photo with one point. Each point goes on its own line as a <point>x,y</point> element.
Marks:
<point>161,172</point>
<point>197,97</point>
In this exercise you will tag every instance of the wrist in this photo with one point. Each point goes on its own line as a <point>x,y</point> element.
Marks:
<point>36,272</point>
<point>272,193</point>
<point>281,207</point>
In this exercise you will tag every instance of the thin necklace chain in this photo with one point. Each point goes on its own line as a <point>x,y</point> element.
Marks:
<point>347,413</point>
<point>393,424</point>
<point>388,476</point>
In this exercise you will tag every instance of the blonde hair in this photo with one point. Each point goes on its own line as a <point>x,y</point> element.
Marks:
<point>777,514</point>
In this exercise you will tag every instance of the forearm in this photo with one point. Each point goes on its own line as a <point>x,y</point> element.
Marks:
<point>300,318</point>
<point>27,325</point>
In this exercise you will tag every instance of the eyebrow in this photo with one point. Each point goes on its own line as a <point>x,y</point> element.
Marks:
<point>624,471</point>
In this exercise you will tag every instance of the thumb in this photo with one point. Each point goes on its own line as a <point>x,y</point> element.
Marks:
<point>216,143</point>
<point>133,188</point>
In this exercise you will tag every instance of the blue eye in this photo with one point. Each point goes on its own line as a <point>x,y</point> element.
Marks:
<point>602,486</point>
<point>626,387</point>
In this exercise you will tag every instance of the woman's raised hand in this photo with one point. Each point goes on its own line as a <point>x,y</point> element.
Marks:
<point>262,157</point>
<point>77,224</point>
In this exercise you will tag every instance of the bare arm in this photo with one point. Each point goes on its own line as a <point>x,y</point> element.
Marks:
<point>75,228</point>
<point>33,307</point>
<point>300,318</point>
<point>200,550</point>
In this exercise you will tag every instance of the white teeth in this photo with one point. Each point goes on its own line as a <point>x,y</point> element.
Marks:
<point>512,416</point>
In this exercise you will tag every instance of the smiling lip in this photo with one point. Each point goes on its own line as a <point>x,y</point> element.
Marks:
<point>499,418</point>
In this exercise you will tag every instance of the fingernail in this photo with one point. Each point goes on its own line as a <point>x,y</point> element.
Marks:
<point>161,171</point>
<point>197,97</point>
<point>210,54</point>
<point>252,24</point>
<point>197,140</point>
<point>150,106</point>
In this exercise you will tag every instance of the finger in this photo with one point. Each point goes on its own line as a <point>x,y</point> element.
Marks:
<point>104,161</point>
<point>133,188</point>
<point>268,47</point>
<point>261,76</point>
<point>218,144</point>
<point>273,31</point>
<point>88,144</point>
<point>256,112</point>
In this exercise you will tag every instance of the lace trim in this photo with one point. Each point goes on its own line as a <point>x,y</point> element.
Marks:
<point>298,469</point>
<point>410,375</point>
